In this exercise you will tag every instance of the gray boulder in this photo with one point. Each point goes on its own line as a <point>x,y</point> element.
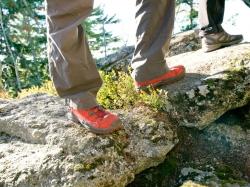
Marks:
<point>215,82</point>
<point>40,147</point>
<point>184,42</point>
<point>217,156</point>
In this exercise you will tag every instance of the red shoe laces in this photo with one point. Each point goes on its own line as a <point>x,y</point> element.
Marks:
<point>98,111</point>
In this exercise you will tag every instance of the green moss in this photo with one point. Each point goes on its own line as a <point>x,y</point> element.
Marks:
<point>233,181</point>
<point>119,147</point>
<point>224,172</point>
<point>227,175</point>
<point>119,142</point>
<point>87,166</point>
<point>170,166</point>
<point>232,77</point>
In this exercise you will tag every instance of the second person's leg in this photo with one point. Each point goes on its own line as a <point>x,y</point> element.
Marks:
<point>211,13</point>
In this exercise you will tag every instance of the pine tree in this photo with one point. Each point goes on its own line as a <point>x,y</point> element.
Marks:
<point>99,37</point>
<point>23,51</point>
<point>23,44</point>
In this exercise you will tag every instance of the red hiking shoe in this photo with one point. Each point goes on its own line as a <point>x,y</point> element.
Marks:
<point>174,74</point>
<point>96,119</point>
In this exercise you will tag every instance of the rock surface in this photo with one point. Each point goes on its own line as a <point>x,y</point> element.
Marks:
<point>218,156</point>
<point>215,82</point>
<point>40,147</point>
<point>184,42</point>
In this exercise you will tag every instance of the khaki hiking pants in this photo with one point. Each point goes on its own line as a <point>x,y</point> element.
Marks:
<point>72,67</point>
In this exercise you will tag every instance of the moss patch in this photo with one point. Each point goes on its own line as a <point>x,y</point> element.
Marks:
<point>88,166</point>
<point>227,175</point>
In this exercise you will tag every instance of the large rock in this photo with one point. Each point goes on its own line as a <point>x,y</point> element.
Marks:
<point>40,147</point>
<point>221,152</point>
<point>184,42</point>
<point>215,83</point>
<point>218,156</point>
<point>117,61</point>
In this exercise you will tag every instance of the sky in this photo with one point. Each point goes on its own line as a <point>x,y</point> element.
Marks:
<point>125,11</point>
<point>235,19</point>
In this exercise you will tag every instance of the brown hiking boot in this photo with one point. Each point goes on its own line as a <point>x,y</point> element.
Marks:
<point>211,42</point>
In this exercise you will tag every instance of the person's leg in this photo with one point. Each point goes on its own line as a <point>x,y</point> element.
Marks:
<point>72,67</point>
<point>211,13</point>
<point>155,21</point>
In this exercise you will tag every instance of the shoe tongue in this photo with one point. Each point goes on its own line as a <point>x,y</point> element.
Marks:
<point>99,111</point>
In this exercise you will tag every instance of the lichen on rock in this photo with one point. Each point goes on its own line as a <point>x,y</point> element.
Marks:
<point>215,83</point>
<point>40,147</point>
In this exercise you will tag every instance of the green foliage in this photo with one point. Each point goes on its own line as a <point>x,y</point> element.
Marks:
<point>192,15</point>
<point>23,44</point>
<point>118,91</point>
<point>228,175</point>
<point>47,87</point>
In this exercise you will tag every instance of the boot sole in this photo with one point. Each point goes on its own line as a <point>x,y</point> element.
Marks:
<point>209,48</point>
<point>117,125</point>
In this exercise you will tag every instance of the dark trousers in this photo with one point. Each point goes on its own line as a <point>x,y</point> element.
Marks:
<point>211,13</point>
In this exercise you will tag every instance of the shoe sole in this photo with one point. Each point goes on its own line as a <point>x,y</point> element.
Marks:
<point>209,48</point>
<point>164,82</point>
<point>117,125</point>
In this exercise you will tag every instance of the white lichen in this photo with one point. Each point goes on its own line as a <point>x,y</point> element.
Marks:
<point>203,90</point>
<point>191,94</point>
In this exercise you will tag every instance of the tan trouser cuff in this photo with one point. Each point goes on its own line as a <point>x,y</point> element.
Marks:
<point>82,100</point>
